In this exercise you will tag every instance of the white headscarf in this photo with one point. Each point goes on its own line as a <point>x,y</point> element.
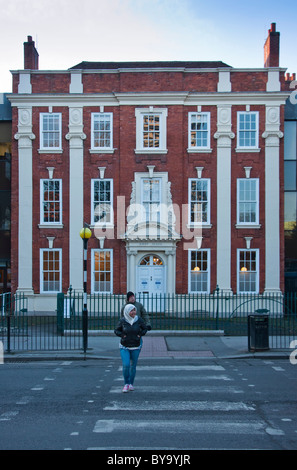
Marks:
<point>127,311</point>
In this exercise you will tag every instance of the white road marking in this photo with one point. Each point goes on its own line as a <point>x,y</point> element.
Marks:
<point>8,415</point>
<point>180,426</point>
<point>173,405</point>
<point>192,378</point>
<point>24,401</point>
<point>180,389</point>
<point>181,367</point>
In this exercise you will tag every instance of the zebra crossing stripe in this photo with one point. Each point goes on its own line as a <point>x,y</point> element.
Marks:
<point>181,367</point>
<point>181,389</point>
<point>173,405</point>
<point>180,426</point>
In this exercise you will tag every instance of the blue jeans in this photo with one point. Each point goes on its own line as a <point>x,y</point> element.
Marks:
<point>129,359</point>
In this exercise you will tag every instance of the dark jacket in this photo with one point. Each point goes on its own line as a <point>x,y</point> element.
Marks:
<point>130,334</point>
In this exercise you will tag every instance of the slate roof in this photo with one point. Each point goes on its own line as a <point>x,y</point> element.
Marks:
<point>156,64</point>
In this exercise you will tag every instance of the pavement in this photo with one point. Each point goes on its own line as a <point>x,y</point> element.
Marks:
<point>171,345</point>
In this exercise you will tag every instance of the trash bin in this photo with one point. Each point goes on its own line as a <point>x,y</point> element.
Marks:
<point>258,334</point>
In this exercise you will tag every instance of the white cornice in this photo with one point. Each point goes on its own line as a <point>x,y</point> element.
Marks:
<point>146,99</point>
<point>151,69</point>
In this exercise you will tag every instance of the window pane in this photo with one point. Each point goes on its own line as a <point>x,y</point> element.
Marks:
<point>247,201</point>
<point>102,271</point>
<point>199,271</point>
<point>102,195</point>
<point>247,129</point>
<point>151,199</point>
<point>102,130</point>
<point>51,201</point>
<point>290,210</point>
<point>199,203</point>
<point>248,271</point>
<point>199,130</point>
<point>51,275</point>
<point>290,140</point>
<point>151,131</point>
<point>51,131</point>
<point>290,175</point>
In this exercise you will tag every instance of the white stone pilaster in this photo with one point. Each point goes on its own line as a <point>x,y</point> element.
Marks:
<point>131,270</point>
<point>76,196</point>
<point>272,135</point>
<point>224,136</point>
<point>25,137</point>
<point>170,288</point>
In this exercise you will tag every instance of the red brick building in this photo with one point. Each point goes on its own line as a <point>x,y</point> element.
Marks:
<point>176,166</point>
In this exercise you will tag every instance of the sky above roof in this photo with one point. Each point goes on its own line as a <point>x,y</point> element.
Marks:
<point>71,31</point>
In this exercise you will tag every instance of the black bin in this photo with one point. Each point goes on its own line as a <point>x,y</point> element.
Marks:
<point>258,334</point>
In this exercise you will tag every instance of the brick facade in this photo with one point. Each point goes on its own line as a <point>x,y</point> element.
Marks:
<point>179,88</point>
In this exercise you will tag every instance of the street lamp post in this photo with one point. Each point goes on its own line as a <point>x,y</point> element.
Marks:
<point>85,234</point>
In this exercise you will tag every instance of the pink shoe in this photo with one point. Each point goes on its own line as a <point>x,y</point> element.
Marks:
<point>126,388</point>
<point>131,388</point>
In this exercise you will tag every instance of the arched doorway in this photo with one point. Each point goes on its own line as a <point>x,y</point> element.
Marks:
<point>151,275</point>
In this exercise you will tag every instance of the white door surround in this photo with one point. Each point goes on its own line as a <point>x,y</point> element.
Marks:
<point>164,250</point>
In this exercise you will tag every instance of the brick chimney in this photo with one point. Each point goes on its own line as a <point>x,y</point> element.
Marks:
<point>30,55</point>
<point>271,48</point>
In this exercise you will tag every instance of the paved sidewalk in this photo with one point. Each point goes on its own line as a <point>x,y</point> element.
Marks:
<point>163,345</point>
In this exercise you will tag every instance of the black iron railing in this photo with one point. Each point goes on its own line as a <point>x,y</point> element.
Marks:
<point>22,329</point>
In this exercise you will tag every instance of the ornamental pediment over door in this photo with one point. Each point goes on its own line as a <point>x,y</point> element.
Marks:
<point>151,231</point>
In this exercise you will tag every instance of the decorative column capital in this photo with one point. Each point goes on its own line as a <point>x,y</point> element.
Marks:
<point>25,139</point>
<point>76,136</point>
<point>224,133</point>
<point>272,132</point>
<point>24,134</point>
<point>272,138</point>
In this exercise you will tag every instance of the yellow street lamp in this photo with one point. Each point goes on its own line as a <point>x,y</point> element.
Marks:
<point>85,234</point>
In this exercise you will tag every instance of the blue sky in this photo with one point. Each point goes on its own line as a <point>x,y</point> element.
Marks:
<point>67,32</point>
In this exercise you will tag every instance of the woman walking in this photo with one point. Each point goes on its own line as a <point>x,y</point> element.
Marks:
<point>130,329</point>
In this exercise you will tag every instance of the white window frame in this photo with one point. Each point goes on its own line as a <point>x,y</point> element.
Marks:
<point>42,202</point>
<point>99,250</point>
<point>42,251</point>
<point>95,148</point>
<point>151,203</point>
<point>49,149</point>
<point>104,221</point>
<point>190,271</point>
<point>239,272</point>
<point>197,148</point>
<point>256,222</point>
<point>239,131</point>
<point>140,113</point>
<point>207,222</point>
